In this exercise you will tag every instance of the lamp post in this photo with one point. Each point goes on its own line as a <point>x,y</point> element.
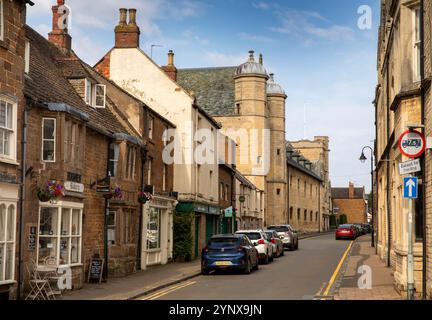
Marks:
<point>363,159</point>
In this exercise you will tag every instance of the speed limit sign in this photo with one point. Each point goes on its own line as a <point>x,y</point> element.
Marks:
<point>412,144</point>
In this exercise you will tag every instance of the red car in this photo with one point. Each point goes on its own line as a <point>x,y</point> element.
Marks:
<point>346,231</point>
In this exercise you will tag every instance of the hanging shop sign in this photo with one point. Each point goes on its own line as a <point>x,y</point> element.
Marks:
<point>74,186</point>
<point>229,212</point>
<point>412,144</point>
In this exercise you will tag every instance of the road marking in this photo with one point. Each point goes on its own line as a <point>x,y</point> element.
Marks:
<point>164,292</point>
<point>336,272</point>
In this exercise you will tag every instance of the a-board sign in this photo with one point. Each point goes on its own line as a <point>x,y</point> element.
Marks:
<point>96,270</point>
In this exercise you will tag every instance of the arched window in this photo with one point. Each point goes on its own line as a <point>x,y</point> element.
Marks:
<point>311,216</point>
<point>298,215</point>
<point>291,213</point>
<point>305,215</point>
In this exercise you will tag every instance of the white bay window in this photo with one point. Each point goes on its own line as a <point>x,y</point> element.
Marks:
<point>7,242</point>
<point>60,233</point>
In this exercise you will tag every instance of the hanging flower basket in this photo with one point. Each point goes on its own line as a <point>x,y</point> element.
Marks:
<point>51,191</point>
<point>143,197</point>
<point>116,194</point>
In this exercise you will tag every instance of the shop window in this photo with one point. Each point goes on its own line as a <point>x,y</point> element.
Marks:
<point>7,242</point>
<point>60,232</point>
<point>7,129</point>
<point>130,162</point>
<point>113,159</point>
<point>48,139</point>
<point>111,226</point>
<point>153,229</point>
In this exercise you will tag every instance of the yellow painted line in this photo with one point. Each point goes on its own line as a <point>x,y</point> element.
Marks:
<point>336,272</point>
<point>164,292</point>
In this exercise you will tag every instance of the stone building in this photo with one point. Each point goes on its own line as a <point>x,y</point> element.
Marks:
<point>13,64</point>
<point>402,102</point>
<point>249,204</point>
<point>251,108</point>
<point>303,197</point>
<point>350,202</point>
<point>195,181</point>
<point>318,153</point>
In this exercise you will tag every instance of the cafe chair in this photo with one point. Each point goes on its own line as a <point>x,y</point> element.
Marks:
<point>39,289</point>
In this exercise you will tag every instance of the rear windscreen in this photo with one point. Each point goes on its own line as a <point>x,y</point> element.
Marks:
<point>223,241</point>
<point>253,236</point>
<point>280,229</point>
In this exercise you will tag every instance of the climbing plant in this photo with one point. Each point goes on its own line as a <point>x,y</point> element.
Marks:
<point>183,238</point>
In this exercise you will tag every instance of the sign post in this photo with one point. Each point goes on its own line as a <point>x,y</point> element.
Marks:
<point>410,193</point>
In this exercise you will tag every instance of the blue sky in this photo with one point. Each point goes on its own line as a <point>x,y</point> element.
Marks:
<point>326,64</point>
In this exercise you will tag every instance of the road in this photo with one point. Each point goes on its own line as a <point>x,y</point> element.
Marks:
<point>299,275</point>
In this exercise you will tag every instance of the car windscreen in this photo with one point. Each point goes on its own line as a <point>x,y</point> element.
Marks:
<point>279,229</point>
<point>221,242</point>
<point>253,236</point>
<point>345,226</point>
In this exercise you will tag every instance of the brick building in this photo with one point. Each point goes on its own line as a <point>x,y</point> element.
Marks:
<point>196,182</point>
<point>351,202</point>
<point>12,72</point>
<point>303,197</point>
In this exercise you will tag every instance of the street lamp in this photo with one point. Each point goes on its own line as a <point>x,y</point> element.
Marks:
<point>363,159</point>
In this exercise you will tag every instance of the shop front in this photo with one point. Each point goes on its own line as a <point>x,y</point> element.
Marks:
<point>8,216</point>
<point>157,231</point>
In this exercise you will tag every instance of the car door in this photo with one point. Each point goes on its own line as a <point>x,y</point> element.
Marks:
<point>253,253</point>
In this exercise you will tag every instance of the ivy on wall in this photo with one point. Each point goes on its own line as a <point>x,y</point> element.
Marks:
<point>183,238</point>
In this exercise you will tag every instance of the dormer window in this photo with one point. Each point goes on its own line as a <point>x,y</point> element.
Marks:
<point>95,94</point>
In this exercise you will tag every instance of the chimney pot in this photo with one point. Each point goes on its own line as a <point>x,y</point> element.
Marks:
<point>123,16</point>
<point>132,17</point>
<point>171,58</point>
<point>170,69</point>
<point>59,34</point>
<point>261,59</point>
<point>251,56</point>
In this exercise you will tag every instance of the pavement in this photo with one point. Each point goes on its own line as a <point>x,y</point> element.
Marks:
<point>157,278</point>
<point>380,284</point>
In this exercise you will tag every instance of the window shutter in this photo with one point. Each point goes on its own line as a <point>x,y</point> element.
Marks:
<point>100,96</point>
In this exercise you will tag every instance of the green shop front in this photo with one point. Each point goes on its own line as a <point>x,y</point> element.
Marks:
<point>206,223</point>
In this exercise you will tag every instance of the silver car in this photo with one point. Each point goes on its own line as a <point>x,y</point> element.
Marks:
<point>288,236</point>
<point>275,239</point>
<point>262,244</point>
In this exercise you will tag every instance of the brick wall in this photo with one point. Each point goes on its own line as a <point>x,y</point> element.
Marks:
<point>354,209</point>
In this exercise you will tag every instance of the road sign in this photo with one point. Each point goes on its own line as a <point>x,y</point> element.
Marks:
<point>409,167</point>
<point>412,144</point>
<point>410,188</point>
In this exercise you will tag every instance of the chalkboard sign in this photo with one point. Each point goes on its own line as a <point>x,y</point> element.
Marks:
<point>96,269</point>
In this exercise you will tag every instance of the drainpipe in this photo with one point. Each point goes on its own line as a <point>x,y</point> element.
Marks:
<point>20,288</point>
<point>141,218</point>
<point>423,158</point>
<point>388,171</point>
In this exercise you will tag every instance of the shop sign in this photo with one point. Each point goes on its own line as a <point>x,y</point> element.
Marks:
<point>229,212</point>
<point>242,199</point>
<point>214,210</point>
<point>201,208</point>
<point>103,189</point>
<point>74,186</point>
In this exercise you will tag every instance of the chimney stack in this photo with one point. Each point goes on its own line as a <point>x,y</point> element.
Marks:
<point>127,34</point>
<point>261,62</point>
<point>170,68</point>
<point>59,34</point>
<point>351,190</point>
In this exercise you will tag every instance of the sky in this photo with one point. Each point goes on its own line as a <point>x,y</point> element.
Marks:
<point>319,54</point>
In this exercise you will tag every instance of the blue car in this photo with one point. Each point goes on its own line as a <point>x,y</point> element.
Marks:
<point>229,252</point>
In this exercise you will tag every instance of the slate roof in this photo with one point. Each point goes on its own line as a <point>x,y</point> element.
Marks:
<point>213,87</point>
<point>47,83</point>
<point>343,193</point>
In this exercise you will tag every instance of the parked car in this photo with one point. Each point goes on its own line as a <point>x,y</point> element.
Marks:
<point>275,239</point>
<point>346,231</point>
<point>261,243</point>
<point>229,251</point>
<point>360,230</point>
<point>288,236</point>
<point>367,227</point>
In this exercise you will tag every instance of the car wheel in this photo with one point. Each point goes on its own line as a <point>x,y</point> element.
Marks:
<point>271,259</point>
<point>297,245</point>
<point>283,252</point>
<point>292,247</point>
<point>266,260</point>
<point>205,272</point>
<point>257,264</point>
<point>247,269</point>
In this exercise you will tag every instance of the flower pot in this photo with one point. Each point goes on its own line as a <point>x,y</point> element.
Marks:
<point>43,197</point>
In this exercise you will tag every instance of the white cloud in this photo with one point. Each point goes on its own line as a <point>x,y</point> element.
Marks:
<point>255,38</point>
<point>310,26</point>
<point>192,36</point>
<point>261,5</point>
<point>219,59</point>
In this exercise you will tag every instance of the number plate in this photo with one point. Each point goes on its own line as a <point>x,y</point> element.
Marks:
<point>223,263</point>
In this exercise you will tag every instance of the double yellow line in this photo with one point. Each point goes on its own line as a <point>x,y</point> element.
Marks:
<point>169,290</point>
<point>336,272</point>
